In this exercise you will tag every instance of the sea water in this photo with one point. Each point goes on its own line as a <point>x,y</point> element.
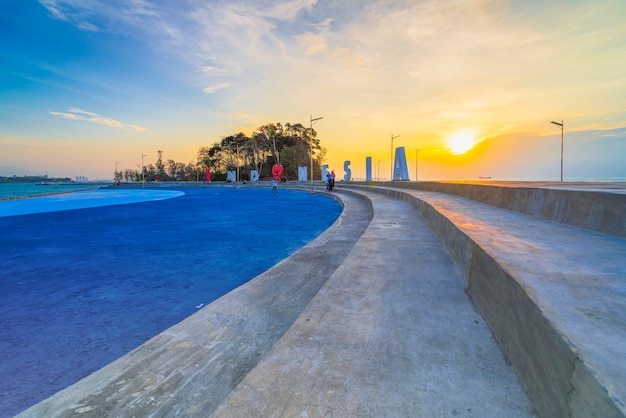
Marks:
<point>80,288</point>
<point>17,190</point>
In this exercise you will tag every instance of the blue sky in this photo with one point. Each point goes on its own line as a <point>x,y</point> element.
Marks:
<point>87,83</point>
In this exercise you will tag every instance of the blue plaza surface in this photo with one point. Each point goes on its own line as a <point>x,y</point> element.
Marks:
<point>81,286</point>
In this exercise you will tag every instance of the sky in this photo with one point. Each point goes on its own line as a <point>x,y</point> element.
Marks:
<point>90,85</point>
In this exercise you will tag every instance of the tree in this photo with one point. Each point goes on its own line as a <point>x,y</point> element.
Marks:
<point>160,167</point>
<point>291,145</point>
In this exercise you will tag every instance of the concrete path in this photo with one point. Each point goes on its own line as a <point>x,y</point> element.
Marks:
<point>553,294</point>
<point>390,334</point>
<point>369,320</point>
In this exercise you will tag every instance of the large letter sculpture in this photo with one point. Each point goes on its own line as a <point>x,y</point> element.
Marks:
<point>324,172</point>
<point>346,168</point>
<point>254,175</point>
<point>400,168</point>
<point>231,176</point>
<point>302,173</point>
<point>368,168</point>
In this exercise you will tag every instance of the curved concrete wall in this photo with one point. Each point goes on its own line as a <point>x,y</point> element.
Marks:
<point>594,210</point>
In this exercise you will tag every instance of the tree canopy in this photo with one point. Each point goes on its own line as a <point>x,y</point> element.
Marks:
<point>291,145</point>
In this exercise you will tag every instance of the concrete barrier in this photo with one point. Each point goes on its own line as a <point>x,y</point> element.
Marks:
<point>595,210</point>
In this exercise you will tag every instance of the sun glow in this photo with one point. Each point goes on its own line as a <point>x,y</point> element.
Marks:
<point>461,143</point>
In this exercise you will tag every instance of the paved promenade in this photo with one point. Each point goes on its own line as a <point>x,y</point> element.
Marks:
<point>370,319</point>
<point>391,334</point>
<point>554,295</point>
<point>373,319</point>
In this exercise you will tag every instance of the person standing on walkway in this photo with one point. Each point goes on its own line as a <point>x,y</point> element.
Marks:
<point>274,186</point>
<point>329,182</point>
<point>332,186</point>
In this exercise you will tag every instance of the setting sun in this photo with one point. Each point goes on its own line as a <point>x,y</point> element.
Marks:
<point>461,143</point>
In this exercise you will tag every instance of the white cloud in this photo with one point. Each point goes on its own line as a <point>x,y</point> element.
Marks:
<point>136,128</point>
<point>142,7</point>
<point>106,122</point>
<point>67,116</point>
<point>80,111</point>
<point>315,43</point>
<point>288,10</point>
<point>215,87</point>
<point>54,9</point>
<point>79,114</point>
<point>208,69</point>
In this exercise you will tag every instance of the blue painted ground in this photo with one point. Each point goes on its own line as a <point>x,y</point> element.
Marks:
<point>80,288</point>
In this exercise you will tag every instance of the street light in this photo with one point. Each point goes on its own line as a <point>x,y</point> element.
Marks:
<point>560,125</point>
<point>311,120</point>
<point>416,151</point>
<point>392,138</point>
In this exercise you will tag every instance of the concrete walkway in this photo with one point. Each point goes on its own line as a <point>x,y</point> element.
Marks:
<point>391,334</point>
<point>554,295</point>
<point>368,320</point>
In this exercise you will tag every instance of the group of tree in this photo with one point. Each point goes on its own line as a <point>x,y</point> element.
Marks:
<point>32,179</point>
<point>162,171</point>
<point>289,145</point>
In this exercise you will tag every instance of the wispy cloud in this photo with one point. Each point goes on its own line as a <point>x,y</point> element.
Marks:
<point>54,9</point>
<point>209,69</point>
<point>288,10</point>
<point>442,62</point>
<point>315,43</point>
<point>83,115</point>
<point>215,87</point>
<point>133,18</point>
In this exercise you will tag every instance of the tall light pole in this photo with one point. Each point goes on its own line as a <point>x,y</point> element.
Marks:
<point>311,120</point>
<point>560,125</point>
<point>115,175</point>
<point>416,151</point>
<point>143,177</point>
<point>392,138</point>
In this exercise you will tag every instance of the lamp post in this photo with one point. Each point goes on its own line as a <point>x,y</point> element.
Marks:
<point>392,138</point>
<point>560,125</point>
<point>143,177</point>
<point>416,151</point>
<point>115,175</point>
<point>311,120</point>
